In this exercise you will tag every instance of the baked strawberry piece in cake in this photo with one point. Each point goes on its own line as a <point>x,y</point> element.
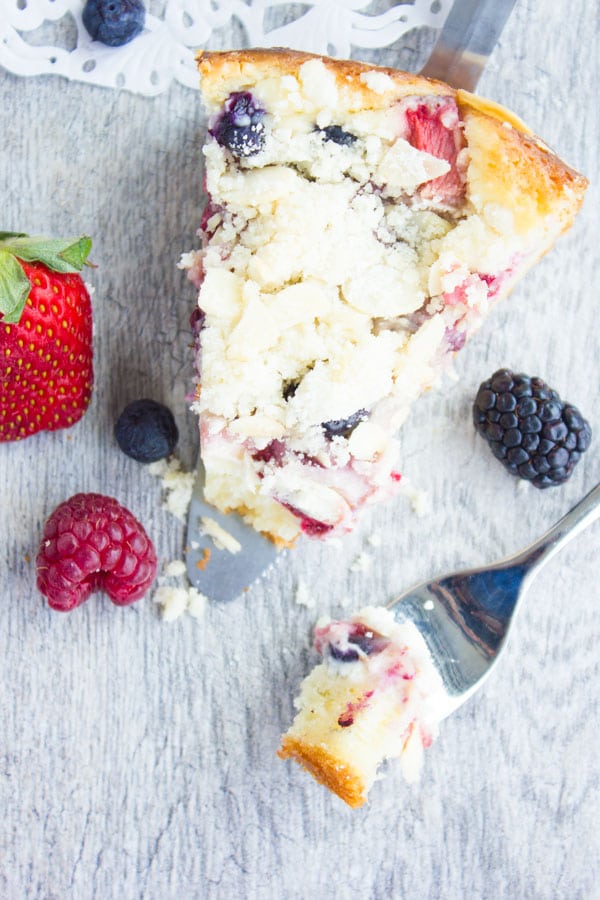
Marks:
<point>375,696</point>
<point>360,224</point>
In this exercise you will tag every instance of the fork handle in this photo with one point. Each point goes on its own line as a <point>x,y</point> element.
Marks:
<point>539,552</point>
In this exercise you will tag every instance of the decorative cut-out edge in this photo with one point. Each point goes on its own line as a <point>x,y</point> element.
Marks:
<point>165,51</point>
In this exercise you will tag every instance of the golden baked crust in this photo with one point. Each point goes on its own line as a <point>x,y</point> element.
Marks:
<point>508,166</point>
<point>222,68</point>
<point>513,168</point>
<point>326,769</point>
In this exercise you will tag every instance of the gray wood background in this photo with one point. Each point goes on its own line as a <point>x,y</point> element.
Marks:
<point>137,759</point>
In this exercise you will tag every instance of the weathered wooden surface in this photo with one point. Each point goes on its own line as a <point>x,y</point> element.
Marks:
<point>137,759</point>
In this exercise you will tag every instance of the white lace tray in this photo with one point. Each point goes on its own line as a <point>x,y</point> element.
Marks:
<point>48,37</point>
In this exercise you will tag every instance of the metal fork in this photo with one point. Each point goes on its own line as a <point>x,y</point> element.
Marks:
<point>465,617</point>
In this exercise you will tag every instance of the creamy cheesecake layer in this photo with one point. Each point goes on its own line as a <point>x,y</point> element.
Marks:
<point>375,696</point>
<point>353,238</point>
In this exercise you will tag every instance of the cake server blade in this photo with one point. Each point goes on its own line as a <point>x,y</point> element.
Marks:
<point>467,38</point>
<point>219,573</point>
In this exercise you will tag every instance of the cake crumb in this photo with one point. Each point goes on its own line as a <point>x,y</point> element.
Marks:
<point>177,484</point>
<point>175,568</point>
<point>197,603</point>
<point>173,601</point>
<point>419,499</point>
<point>303,596</point>
<point>362,563</point>
<point>220,538</point>
<point>375,540</point>
<point>180,597</point>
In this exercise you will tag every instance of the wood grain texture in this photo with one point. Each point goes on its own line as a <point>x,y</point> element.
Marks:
<point>137,759</point>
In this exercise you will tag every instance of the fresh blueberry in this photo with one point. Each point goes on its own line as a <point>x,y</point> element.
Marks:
<point>114,22</point>
<point>348,655</point>
<point>240,126</point>
<point>360,640</point>
<point>146,431</point>
<point>370,643</point>
<point>344,427</point>
<point>337,134</point>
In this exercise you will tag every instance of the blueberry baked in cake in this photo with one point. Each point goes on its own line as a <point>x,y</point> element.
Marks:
<point>360,224</point>
<point>375,696</point>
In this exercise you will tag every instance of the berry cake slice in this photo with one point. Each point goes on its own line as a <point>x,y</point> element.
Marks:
<point>360,223</point>
<point>375,696</point>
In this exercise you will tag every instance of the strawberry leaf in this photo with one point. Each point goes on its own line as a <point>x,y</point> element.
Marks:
<point>62,256</point>
<point>11,234</point>
<point>76,253</point>
<point>14,288</point>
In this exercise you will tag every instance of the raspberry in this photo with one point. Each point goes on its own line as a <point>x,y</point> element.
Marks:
<point>92,543</point>
<point>533,433</point>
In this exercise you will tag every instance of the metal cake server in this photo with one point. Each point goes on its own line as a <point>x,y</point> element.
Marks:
<point>464,44</point>
<point>466,40</point>
<point>465,617</point>
<point>216,571</point>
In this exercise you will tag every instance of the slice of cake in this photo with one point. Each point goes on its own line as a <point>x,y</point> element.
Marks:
<point>375,696</point>
<point>360,224</point>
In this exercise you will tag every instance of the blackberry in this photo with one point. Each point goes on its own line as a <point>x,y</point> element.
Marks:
<point>534,434</point>
<point>146,431</point>
<point>240,126</point>
<point>113,22</point>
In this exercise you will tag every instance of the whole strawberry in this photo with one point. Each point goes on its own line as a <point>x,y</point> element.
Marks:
<point>46,371</point>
